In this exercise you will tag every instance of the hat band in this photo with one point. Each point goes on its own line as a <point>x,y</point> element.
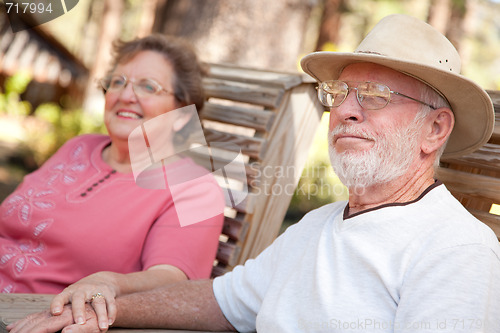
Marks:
<point>428,85</point>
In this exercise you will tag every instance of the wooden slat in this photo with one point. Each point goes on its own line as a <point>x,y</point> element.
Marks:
<point>289,141</point>
<point>495,98</point>
<point>247,205</point>
<point>470,184</point>
<point>495,136</point>
<point>486,158</point>
<point>235,228</point>
<point>31,303</point>
<point>251,146</point>
<point>229,72</point>
<point>472,202</point>
<point>215,162</point>
<point>228,253</point>
<point>284,123</point>
<point>219,269</point>
<point>243,92</point>
<point>260,120</point>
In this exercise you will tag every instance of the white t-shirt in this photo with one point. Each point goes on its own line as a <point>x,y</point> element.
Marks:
<point>423,266</point>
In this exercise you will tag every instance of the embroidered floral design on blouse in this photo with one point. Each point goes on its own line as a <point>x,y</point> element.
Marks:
<point>67,172</point>
<point>25,203</point>
<point>6,289</point>
<point>41,226</point>
<point>21,255</point>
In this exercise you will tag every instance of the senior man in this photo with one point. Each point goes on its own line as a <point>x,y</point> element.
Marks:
<point>402,255</point>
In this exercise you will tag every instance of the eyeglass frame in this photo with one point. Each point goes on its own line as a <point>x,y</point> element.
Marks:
<point>319,88</point>
<point>102,82</point>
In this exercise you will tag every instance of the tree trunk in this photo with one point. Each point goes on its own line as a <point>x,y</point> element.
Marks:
<point>330,24</point>
<point>466,22</point>
<point>110,29</point>
<point>439,15</point>
<point>147,20</point>
<point>455,32</point>
<point>258,33</point>
<point>449,17</point>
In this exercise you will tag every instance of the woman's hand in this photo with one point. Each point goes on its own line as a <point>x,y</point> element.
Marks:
<point>98,290</point>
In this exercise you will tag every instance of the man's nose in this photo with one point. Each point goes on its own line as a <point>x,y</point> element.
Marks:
<point>350,110</point>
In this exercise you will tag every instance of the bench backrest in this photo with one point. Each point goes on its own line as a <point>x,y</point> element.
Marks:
<point>474,179</point>
<point>272,118</point>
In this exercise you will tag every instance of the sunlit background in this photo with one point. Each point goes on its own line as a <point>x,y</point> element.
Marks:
<point>44,102</point>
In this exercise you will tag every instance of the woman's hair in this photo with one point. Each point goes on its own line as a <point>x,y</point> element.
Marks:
<point>188,71</point>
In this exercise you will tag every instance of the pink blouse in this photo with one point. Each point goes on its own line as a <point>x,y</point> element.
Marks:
<point>75,216</point>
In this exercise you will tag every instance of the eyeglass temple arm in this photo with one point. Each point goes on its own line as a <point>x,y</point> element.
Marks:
<point>413,99</point>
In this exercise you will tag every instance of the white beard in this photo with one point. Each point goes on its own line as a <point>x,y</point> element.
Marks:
<point>391,156</point>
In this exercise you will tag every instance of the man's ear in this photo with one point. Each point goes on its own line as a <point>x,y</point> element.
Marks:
<point>440,125</point>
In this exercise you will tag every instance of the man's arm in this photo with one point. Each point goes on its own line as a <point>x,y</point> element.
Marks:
<point>187,305</point>
<point>110,285</point>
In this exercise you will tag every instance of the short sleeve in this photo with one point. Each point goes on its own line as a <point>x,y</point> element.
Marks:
<point>190,247</point>
<point>240,293</point>
<point>456,289</point>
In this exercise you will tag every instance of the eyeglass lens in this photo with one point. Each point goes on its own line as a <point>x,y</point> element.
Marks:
<point>370,95</point>
<point>142,87</point>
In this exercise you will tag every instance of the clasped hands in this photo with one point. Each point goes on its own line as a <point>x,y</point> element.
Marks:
<point>92,308</point>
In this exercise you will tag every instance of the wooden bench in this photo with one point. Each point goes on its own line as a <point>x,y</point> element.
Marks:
<point>474,179</point>
<point>272,117</point>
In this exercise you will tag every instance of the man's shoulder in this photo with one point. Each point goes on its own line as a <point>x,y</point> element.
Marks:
<point>319,216</point>
<point>327,210</point>
<point>451,224</point>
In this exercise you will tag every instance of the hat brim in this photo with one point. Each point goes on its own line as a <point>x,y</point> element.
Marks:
<point>471,105</point>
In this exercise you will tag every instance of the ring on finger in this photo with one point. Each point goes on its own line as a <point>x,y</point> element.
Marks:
<point>95,296</point>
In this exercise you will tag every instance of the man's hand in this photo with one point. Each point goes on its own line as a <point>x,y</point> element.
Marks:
<point>45,322</point>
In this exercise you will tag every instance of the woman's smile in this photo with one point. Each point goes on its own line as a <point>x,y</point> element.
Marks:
<point>127,114</point>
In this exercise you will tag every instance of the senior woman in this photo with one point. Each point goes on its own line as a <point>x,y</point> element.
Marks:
<point>80,225</point>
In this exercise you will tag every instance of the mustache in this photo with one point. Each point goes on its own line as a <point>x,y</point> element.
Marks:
<point>343,129</point>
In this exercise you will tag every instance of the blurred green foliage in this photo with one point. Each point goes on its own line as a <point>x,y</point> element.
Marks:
<point>63,125</point>
<point>39,133</point>
<point>10,102</point>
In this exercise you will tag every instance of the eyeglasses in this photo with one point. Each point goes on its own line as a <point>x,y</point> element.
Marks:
<point>370,95</point>
<point>142,87</point>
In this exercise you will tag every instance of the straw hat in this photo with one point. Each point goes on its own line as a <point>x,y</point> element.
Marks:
<point>413,47</point>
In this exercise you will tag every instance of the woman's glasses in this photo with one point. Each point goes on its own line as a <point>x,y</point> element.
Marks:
<point>370,95</point>
<point>141,87</point>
